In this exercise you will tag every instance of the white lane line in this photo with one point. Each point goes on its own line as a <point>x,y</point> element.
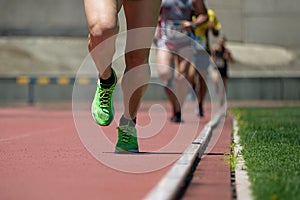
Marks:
<point>18,137</point>
<point>242,183</point>
<point>14,138</point>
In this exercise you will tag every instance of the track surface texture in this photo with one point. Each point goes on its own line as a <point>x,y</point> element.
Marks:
<point>42,156</point>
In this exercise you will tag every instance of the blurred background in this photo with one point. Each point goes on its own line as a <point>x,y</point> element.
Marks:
<point>43,43</point>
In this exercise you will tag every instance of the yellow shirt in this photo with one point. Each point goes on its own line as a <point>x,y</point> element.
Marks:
<point>202,31</point>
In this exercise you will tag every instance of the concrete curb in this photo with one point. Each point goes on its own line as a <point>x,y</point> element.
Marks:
<point>242,183</point>
<point>170,185</point>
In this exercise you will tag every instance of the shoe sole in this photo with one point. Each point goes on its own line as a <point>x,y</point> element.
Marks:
<point>123,151</point>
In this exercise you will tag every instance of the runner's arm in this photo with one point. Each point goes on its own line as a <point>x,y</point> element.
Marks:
<point>201,12</point>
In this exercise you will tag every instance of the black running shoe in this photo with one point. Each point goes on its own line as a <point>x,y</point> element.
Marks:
<point>176,119</point>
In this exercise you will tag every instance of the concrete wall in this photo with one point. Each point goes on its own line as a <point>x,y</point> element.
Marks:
<point>272,21</point>
<point>260,21</point>
<point>42,17</point>
<point>256,21</point>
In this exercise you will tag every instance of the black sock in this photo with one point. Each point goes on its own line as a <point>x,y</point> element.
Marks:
<point>108,82</point>
<point>200,105</point>
<point>200,109</point>
<point>130,122</point>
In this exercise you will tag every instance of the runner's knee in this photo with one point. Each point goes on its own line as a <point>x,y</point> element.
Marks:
<point>102,29</point>
<point>164,72</point>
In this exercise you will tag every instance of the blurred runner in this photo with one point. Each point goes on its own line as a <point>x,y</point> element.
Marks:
<point>175,47</point>
<point>198,73</point>
<point>102,21</point>
<point>221,56</point>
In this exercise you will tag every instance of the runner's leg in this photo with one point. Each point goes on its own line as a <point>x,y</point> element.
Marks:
<point>181,80</point>
<point>165,71</point>
<point>224,79</point>
<point>139,13</point>
<point>102,22</point>
<point>201,93</point>
<point>182,65</point>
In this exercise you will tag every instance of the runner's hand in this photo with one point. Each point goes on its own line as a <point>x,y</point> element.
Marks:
<point>188,25</point>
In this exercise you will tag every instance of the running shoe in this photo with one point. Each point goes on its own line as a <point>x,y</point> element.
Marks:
<point>127,140</point>
<point>176,119</point>
<point>102,106</point>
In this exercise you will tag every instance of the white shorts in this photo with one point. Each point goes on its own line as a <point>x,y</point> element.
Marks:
<point>185,50</point>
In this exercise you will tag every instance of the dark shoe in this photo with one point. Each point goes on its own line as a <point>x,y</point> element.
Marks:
<point>176,119</point>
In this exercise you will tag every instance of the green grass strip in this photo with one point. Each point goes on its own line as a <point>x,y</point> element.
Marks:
<point>271,148</point>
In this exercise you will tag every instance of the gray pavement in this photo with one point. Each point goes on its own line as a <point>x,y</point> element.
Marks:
<point>64,55</point>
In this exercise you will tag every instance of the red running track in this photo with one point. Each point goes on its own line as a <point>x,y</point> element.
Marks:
<point>42,156</point>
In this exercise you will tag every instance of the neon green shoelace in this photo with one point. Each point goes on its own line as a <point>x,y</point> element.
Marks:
<point>105,95</point>
<point>126,133</point>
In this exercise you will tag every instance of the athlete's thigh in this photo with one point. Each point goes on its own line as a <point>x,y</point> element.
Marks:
<point>164,57</point>
<point>101,11</point>
<point>141,13</point>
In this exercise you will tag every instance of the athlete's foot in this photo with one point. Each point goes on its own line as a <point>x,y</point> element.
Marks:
<point>102,106</point>
<point>127,139</point>
<point>176,118</point>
